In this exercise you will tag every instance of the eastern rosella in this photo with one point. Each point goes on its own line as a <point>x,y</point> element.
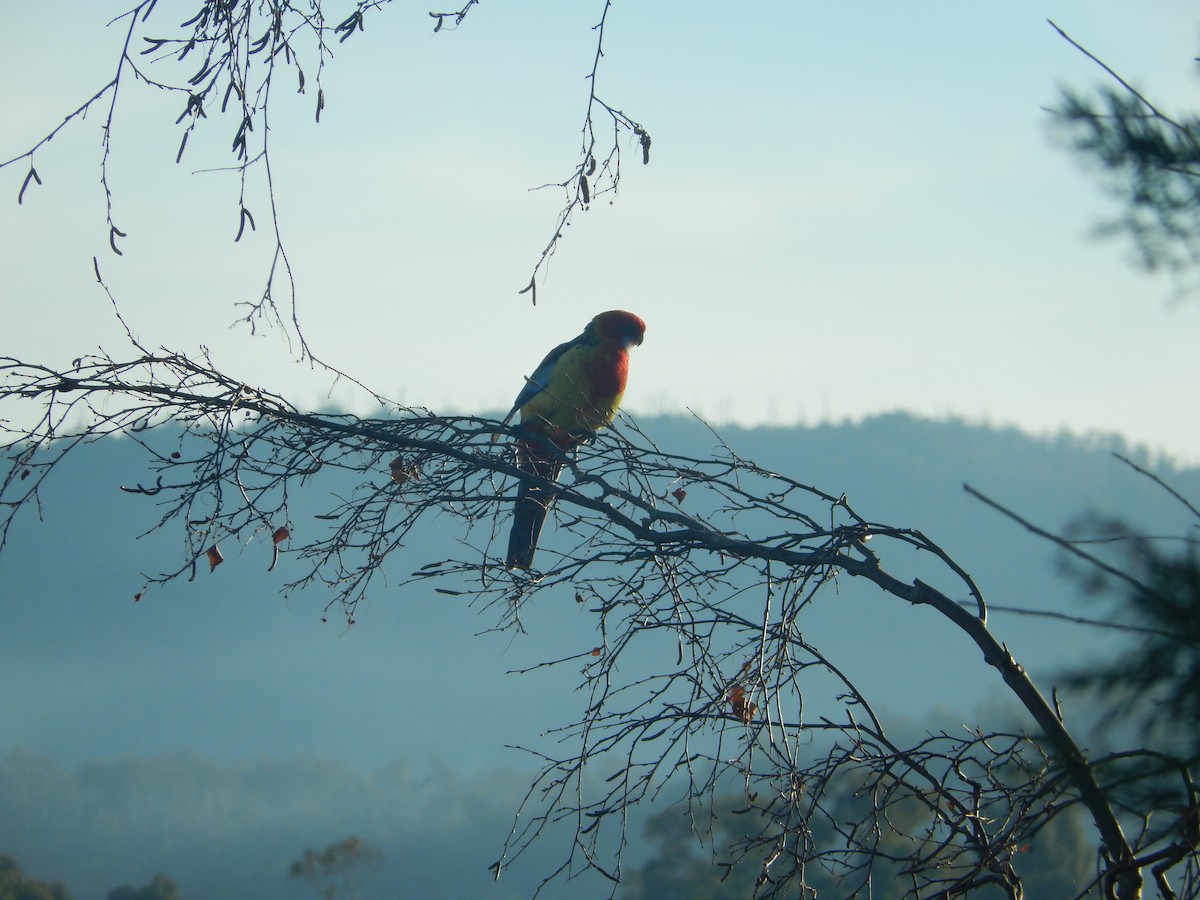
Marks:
<point>572,394</point>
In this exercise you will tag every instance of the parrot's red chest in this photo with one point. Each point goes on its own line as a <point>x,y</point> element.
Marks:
<point>609,372</point>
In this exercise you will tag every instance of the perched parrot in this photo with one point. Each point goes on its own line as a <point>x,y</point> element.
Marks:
<point>572,394</point>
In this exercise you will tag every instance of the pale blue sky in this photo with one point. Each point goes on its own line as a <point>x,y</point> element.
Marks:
<point>850,208</point>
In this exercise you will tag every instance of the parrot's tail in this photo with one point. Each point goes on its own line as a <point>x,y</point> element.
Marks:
<point>533,500</point>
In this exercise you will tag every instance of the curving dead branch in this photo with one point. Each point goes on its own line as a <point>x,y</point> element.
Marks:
<point>708,564</point>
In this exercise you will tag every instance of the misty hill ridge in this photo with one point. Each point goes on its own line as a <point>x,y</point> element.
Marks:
<point>222,670</point>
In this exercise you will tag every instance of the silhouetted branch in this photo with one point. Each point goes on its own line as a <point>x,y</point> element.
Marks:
<point>599,169</point>
<point>225,62</point>
<point>1066,544</point>
<point>707,565</point>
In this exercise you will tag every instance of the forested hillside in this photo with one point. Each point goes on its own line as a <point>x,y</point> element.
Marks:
<point>214,729</point>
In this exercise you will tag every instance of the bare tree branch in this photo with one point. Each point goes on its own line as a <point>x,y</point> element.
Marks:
<point>593,176</point>
<point>709,562</point>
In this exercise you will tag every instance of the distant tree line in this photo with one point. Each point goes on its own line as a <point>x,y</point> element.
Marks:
<point>16,885</point>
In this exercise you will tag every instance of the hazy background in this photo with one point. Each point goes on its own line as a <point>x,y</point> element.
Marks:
<point>850,210</point>
<point>214,730</point>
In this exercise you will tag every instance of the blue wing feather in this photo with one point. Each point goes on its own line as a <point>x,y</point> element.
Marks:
<point>541,376</point>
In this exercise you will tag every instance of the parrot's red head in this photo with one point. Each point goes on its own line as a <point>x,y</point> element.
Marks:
<point>618,325</point>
